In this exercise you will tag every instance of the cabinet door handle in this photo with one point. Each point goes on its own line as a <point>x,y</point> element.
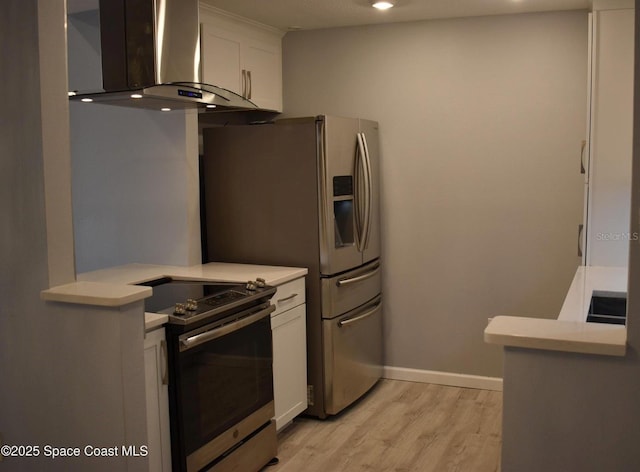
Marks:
<point>165,363</point>
<point>584,146</point>
<point>285,299</point>
<point>580,229</point>
<point>250,84</point>
<point>244,83</point>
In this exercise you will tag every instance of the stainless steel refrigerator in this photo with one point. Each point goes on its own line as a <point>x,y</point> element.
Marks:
<point>305,192</point>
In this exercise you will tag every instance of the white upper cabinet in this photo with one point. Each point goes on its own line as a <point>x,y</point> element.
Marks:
<point>243,57</point>
<point>610,134</point>
<point>221,53</point>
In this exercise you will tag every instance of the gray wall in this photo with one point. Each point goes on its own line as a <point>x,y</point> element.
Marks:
<point>481,121</point>
<point>66,373</point>
<point>134,172</point>
<point>135,187</point>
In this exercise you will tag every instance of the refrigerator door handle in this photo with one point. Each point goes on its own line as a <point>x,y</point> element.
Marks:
<point>363,205</point>
<point>368,192</point>
<point>359,278</point>
<point>325,216</point>
<point>360,192</point>
<point>361,316</point>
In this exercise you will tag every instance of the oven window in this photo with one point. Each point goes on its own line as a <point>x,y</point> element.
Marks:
<point>225,380</point>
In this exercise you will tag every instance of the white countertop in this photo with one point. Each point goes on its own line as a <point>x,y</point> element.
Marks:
<point>587,280</point>
<point>213,271</point>
<point>96,293</point>
<point>114,286</point>
<point>570,332</point>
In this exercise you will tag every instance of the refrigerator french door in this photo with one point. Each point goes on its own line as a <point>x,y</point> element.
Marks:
<point>348,174</point>
<point>305,192</point>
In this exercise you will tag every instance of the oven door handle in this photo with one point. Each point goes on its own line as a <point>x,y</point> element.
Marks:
<point>193,341</point>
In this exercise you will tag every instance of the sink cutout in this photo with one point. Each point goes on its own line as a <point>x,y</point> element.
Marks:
<point>608,307</point>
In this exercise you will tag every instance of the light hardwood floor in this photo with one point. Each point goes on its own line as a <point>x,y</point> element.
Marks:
<point>400,427</point>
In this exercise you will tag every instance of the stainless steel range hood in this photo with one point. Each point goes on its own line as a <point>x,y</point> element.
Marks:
<point>151,58</point>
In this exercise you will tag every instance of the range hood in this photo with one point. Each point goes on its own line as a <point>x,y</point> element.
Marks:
<point>151,59</point>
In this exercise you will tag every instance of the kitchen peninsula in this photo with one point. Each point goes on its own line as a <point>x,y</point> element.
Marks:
<point>116,286</point>
<point>113,293</point>
<point>570,332</point>
<point>563,376</point>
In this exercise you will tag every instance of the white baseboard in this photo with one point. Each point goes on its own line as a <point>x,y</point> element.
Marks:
<point>442,378</point>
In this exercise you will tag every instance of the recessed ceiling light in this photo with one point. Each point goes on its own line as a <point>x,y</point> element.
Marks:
<point>211,106</point>
<point>71,94</point>
<point>136,95</point>
<point>165,109</point>
<point>383,5</point>
<point>87,100</point>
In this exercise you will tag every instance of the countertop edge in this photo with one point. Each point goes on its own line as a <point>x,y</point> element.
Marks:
<point>556,335</point>
<point>587,280</point>
<point>212,271</point>
<point>96,294</point>
<point>114,287</point>
<point>153,321</point>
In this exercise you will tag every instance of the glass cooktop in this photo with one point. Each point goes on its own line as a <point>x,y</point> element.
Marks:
<point>167,292</point>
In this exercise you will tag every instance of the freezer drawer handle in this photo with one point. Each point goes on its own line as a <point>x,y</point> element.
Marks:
<point>584,146</point>
<point>360,278</point>
<point>366,314</point>
<point>286,299</point>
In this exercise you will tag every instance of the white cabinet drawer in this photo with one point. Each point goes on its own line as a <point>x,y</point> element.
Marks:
<point>288,296</point>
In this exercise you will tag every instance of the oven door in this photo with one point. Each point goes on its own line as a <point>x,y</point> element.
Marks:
<point>223,386</point>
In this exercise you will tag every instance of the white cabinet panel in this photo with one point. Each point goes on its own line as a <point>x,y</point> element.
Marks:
<point>157,395</point>
<point>289,331</point>
<point>243,58</point>
<point>611,107</point>
<point>263,63</point>
<point>221,62</point>
<point>289,364</point>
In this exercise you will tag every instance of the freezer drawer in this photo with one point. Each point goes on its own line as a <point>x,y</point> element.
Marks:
<point>352,355</point>
<point>350,290</point>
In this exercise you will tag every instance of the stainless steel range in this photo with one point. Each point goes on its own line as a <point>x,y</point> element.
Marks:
<point>220,373</point>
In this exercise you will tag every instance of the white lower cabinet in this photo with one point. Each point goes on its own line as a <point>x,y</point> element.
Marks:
<point>157,394</point>
<point>289,331</point>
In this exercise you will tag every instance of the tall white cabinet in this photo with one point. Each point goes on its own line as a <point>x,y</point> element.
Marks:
<point>241,56</point>
<point>288,329</point>
<point>607,154</point>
